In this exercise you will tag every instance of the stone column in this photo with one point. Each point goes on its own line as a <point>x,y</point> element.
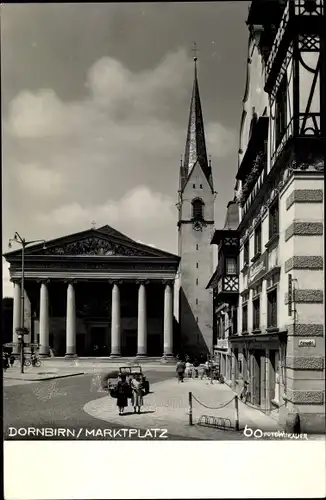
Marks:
<point>44,320</point>
<point>142,322</point>
<point>115,322</point>
<point>71,322</point>
<point>168,321</point>
<point>16,316</point>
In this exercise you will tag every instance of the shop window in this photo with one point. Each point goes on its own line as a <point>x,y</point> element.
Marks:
<point>272,308</point>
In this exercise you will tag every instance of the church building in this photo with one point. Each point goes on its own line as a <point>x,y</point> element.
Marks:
<point>100,293</point>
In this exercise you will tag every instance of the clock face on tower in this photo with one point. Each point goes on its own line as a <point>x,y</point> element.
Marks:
<point>197,225</point>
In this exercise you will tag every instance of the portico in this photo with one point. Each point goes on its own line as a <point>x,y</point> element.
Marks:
<point>97,293</point>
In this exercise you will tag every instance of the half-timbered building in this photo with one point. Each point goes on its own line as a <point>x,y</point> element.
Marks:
<point>225,285</point>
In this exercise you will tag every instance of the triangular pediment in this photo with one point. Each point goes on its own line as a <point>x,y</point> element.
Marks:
<point>103,242</point>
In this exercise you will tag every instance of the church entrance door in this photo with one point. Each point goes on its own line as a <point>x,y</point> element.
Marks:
<point>129,346</point>
<point>98,341</point>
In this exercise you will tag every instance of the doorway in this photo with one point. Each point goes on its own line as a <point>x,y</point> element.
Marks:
<point>129,346</point>
<point>98,344</point>
<point>258,372</point>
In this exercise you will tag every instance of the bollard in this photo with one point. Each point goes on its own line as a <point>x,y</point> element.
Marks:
<point>190,408</point>
<point>236,407</point>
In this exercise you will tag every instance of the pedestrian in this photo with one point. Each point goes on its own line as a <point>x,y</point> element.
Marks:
<point>244,392</point>
<point>12,360</point>
<point>33,358</point>
<point>181,367</point>
<point>188,371</point>
<point>137,393</point>
<point>5,363</point>
<point>196,364</point>
<point>122,393</point>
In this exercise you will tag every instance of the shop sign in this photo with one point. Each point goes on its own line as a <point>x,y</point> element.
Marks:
<point>258,269</point>
<point>307,343</point>
<point>222,343</point>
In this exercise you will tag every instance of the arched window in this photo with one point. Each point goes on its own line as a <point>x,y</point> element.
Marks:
<point>197,209</point>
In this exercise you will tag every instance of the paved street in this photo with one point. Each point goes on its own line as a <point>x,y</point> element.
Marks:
<point>78,402</point>
<point>57,403</point>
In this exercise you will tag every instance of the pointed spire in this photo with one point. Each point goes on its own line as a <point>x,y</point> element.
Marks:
<point>195,145</point>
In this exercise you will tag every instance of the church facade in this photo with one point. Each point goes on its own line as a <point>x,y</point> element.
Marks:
<point>97,293</point>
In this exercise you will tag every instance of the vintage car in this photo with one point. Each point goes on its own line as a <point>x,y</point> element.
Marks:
<point>109,380</point>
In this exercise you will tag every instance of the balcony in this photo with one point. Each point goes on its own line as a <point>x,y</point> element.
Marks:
<point>227,288</point>
<point>298,15</point>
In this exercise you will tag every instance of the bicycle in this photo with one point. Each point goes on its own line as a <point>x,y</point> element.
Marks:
<point>37,363</point>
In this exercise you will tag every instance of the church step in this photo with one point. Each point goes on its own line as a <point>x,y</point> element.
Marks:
<point>120,361</point>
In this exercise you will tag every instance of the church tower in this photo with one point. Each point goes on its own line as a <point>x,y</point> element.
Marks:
<point>195,225</point>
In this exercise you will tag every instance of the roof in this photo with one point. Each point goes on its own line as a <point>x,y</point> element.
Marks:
<point>232,216</point>
<point>195,150</point>
<point>105,241</point>
<point>230,226</point>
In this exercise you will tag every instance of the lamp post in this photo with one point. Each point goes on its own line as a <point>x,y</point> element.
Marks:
<point>22,330</point>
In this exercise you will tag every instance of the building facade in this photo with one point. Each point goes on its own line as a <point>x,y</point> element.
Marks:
<point>196,199</point>
<point>97,293</point>
<point>279,345</point>
<point>225,285</point>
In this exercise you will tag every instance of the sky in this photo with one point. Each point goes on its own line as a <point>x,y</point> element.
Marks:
<point>95,105</point>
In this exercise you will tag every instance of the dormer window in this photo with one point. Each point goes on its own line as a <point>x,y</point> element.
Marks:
<point>197,209</point>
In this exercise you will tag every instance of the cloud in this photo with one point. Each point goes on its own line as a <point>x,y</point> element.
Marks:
<point>38,180</point>
<point>139,213</point>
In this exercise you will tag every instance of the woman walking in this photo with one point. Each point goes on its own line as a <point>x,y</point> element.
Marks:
<point>180,370</point>
<point>122,393</point>
<point>137,394</point>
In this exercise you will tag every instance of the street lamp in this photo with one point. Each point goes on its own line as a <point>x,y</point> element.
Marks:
<point>22,330</point>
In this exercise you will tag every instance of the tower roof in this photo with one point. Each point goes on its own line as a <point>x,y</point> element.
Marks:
<point>195,145</point>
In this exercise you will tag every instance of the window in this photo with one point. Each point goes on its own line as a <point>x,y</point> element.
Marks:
<point>245,318</point>
<point>197,209</point>
<point>197,302</point>
<point>197,265</point>
<point>256,313</point>
<point>258,239</point>
<point>231,265</point>
<point>280,112</point>
<point>196,281</point>
<point>273,219</point>
<point>272,308</point>
<point>197,247</point>
<point>201,186</point>
<point>246,253</point>
<point>194,186</point>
